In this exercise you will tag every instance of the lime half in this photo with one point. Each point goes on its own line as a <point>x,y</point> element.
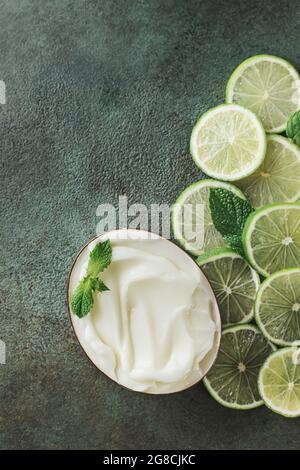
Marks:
<point>191,219</point>
<point>228,142</point>
<point>271,238</point>
<point>268,86</point>
<point>232,380</point>
<point>234,283</point>
<point>279,382</point>
<point>278,178</point>
<point>277,307</point>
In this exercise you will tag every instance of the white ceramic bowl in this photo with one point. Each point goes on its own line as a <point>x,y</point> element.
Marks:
<point>209,358</point>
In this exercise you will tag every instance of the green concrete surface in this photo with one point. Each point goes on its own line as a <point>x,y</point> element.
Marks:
<point>101,100</point>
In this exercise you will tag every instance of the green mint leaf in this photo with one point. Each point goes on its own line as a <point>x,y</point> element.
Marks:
<point>99,285</point>
<point>229,214</point>
<point>83,297</point>
<point>82,300</point>
<point>100,258</point>
<point>235,242</point>
<point>293,128</point>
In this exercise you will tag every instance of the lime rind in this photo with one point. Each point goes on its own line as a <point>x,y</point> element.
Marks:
<point>250,227</point>
<point>251,61</point>
<point>264,285</point>
<point>261,138</point>
<point>261,386</point>
<point>232,405</point>
<point>184,195</point>
<point>227,253</point>
<point>217,253</point>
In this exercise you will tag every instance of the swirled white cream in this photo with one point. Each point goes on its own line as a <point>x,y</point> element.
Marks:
<point>157,329</point>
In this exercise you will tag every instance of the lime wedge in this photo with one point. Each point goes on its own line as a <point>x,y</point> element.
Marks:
<point>278,178</point>
<point>234,283</point>
<point>279,382</point>
<point>271,238</point>
<point>277,307</point>
<point>228,142</point>
<point>191,219</point>
<point>269,87</point>
<point>232,380</point>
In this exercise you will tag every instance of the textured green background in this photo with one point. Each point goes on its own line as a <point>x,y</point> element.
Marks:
<point>101,99</point>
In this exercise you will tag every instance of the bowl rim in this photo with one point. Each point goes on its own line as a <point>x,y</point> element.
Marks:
<point>217,340</point>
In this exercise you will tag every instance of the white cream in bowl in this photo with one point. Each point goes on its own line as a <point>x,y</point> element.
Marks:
<point>158,328</point>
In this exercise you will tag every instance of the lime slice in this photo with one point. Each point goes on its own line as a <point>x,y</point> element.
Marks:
<point>278,178</point>
<point>234,283</point>
<point>271,238</point>
<point>279,382</point>
<point>269,87</point>
<point>277,307</point>
<point>232,380</point>
<point>191,218</point>
<point>228,142</point>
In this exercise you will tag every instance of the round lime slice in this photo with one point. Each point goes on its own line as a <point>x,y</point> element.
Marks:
<point>277,307</point>
<point>269,86</point>
<point>271,238</point>
<point>232,380</point>
<point>234,283</point>
<point>191,219</point>
<point>279,382</point>
<point>228,142</point>
<point>278,178</point>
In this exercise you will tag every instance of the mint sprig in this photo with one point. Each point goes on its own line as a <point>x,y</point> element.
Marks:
<point>83,297</point>
<point>293,128</point>
<point>229,214</point>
